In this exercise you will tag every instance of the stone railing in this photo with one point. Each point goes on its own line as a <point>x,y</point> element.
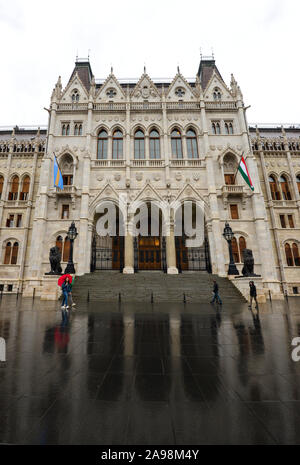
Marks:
<point>108,163</point>
<point>232,189</point>
<point>183,106</point>
<point>109,106</point>
<point>181,162</point>
<point>220,105</point>
<point>140,106</point>
<point>284,203</point>
<point>72,107</point>
<point>146,163</point>
<point>67,190</point>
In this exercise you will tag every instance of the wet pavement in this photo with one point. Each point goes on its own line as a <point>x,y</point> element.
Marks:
<point>149,374</point>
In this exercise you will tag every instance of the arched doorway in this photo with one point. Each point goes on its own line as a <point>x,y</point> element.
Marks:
<point>191,258</point>
<point>108,249</point>
<point>150,244</point>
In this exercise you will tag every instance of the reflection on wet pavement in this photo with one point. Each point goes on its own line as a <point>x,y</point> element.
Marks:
<point>149,374</point>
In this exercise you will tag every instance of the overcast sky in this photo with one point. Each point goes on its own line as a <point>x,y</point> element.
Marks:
<point>257,41</point>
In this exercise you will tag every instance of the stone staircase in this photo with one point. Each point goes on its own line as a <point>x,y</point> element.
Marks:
<point>110,286</point>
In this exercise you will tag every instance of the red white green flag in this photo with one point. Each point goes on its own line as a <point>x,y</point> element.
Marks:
<point>245,173</point>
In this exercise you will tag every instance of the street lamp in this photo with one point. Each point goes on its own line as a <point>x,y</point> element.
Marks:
<point>228,235</point>
<point>72,234</point>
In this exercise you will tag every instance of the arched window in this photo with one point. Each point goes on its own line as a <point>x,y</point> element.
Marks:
<point>25,188</point>
<point>154,144</point>
<point>230,168</point>
<point>218,128</point>
<point>288,254</point>
<point>298,182</point>
<point>235,251</point>
<point>117,145</point>
<point>67,168</point>
<point>296,254</point>
<point>1,186</point>
<point>64,130</point>
<point>274,188</point>
<point>139,145</point>
<point>285,188</point>
<point>213,128</point>
<point>11,253</point>
<point>242,246</point>
<point>191,143</point>
<point>59,244</point>
<point>102,145</point>
<point>176,144</point>
<point>80,130</point>
<point>75,96</point>
<point>76,130</point>
<point>68,130</point>
<point>66,251</point>
<point>228,127</point>
<point>14,188</point>
<point>217,94</point>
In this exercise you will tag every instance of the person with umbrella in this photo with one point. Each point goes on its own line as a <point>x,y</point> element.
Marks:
<point>65,283</point>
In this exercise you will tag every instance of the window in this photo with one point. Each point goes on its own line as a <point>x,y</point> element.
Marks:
<point>291,221</point>
<point>154,144</point>
<point>235,251</point>
<point>139,145</point>
<point>117,145</point>
<point>228,127</point>
<point>65,212</point>
<point>296,254</point>
<point>285,188</point>
<point>179,92</point>
<point>234,212</point>
<point>298,182</point>
<point>274,188</point>
<point>216,128</point>
<point>217,93</point>
<point>102,145</point>
<point>75,96</point>
<point>66,252</point>
<point>68,179</point>
<point>288,255</point>
<point>64,130</point>
<point>111,93</point>
<point>176,144</point>
<point>1,186</point>
<point>14,188</point>
<point>25,188</point>
<point>282,221</point>
<point>68,130</point>
<point>59,244</point>
<point>229,179</point>
<point>191,143</point>
<point>9,287</point>
<point>10,221</point>
<point>295,290</point>
<point>242,246</point>
<point>11,253</point>
<point>19,221</point>
<point>78,129</point>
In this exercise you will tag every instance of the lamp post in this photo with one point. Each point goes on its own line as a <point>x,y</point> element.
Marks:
<point>72,234</point>
<point>228,235</point>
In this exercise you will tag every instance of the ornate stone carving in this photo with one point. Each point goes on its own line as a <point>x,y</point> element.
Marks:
<point>139,176</point>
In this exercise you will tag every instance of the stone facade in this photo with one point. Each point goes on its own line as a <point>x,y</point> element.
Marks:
<point>196,162</point>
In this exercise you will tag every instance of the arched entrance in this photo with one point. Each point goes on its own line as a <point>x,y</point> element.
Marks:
<point>108,250</point>
<point>150,245</point>
<point>191,258</point>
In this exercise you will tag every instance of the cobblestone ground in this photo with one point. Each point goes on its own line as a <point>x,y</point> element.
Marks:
<point>149,374</point>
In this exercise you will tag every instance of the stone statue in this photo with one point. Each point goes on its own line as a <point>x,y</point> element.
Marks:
<point>248,268</point>
<point>54,258</point>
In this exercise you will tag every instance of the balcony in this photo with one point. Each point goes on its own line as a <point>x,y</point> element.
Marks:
<point>72,107</point>
<point>67,190</point>
<point>108,163</point>
<point>181,163</point>
<point>220,105</point>
<point>234,190</point>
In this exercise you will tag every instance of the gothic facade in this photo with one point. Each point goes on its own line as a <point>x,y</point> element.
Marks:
<point>149,140</point>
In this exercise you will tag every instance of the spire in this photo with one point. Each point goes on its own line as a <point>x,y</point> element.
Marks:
<point>206,68</point>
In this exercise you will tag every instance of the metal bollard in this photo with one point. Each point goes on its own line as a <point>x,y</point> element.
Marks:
<point>17,294</point>
<point>88,296</point>
<point>119,296</point>
<point>286,295</point>
<point>33,294</point>
<point>184,299</point>
<point>270,296</point>
<point>152,298</point>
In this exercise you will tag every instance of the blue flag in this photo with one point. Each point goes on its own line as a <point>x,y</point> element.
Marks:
<point>57,176</point>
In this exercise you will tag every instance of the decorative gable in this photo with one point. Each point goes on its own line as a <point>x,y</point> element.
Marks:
<point>216,89</point>
<point>75,91</point>
<point>110,90</point>
<point>145,89</point>
<point>180,89</point>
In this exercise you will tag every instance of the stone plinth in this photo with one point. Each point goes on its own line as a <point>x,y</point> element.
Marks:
<point>262,288</point>
<point>50,289</point>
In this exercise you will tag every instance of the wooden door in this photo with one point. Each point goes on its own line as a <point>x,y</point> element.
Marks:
<point>149,254</point>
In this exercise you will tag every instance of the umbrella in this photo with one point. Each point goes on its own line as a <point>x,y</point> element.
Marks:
<point>62,279</point>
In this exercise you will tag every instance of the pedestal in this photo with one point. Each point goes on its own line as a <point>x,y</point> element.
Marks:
<point>50,289</point>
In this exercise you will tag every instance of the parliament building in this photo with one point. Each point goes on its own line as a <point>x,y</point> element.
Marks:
<point>149,140</point>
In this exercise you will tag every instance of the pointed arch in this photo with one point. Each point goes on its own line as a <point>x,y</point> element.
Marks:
<point>176,143</point>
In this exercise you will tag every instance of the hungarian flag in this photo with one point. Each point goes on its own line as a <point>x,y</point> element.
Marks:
<point>245,173</point>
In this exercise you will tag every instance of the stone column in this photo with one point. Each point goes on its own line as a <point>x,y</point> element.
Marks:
<point>291,169</point>
<point>128,248</point>
<point>165,142</point>
<point>128,154</point>
<point>6,183</point>
<point>170,251</point>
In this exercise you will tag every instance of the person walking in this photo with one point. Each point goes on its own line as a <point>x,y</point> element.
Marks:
<point>66,289</point>
<point>253,294</point>
<point>216,293</point>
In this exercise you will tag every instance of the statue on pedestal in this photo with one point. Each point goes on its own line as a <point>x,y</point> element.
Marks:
<point>248,268</point>
<point>54,258</point>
